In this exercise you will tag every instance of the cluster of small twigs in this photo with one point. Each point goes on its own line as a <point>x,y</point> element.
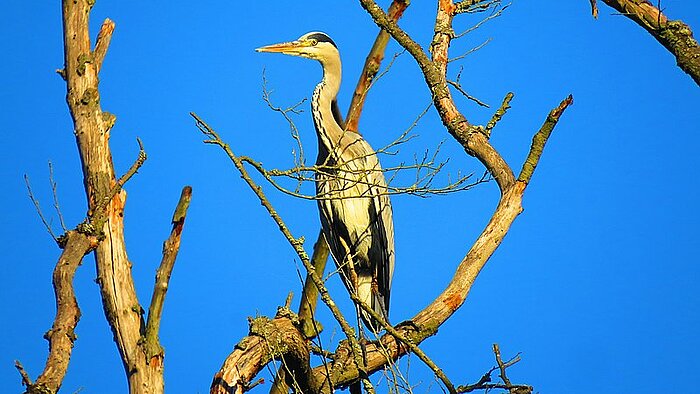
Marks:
<point>486,382</point>
<point>425,167</point>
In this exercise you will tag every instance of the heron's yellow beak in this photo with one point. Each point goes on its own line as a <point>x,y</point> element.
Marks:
<point>289,48</point>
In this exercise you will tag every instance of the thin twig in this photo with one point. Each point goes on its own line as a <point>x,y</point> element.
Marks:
<point>594,8</point>
<point>56,205</point>
<point>119,184</point>
<point>407,342</point>
<point>505,106</point>
<point>471,6</point>
<point>458,86</point>
<point>501,366</point>
<point>472,50</point>
<point>38,208</point>
<point>26,380</point>
<point>497,12</point>
<point>299,159</point>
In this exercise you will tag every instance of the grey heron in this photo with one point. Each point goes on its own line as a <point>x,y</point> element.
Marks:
<point>355,211</point>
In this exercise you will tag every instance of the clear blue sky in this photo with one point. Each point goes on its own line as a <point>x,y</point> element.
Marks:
<point>596,284</point>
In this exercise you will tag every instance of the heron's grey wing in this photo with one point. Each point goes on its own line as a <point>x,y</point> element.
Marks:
<point>382,250</point>
<point>335,232</point>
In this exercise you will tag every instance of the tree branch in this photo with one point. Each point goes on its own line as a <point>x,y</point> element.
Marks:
<point>267,340</point>
<point>434,70</point>
<point>171,247</point>
<point>540,139</point>
<point>62,334</point>
<point>102,43</point>
<point>675,36</point>
<point>75,244</point>
<point>485,382</point>
<point>91,127</point>
<point>371,67</point>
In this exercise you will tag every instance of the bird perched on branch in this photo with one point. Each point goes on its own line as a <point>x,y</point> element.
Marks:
<point>353,203</point>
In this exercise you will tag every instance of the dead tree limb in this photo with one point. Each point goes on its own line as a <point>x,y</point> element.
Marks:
<point>61,336</point>
<point>92,126</point>
<point>371,67</point>
<point>674,35</point>
<point>171,246</point>
<point>75,244</point>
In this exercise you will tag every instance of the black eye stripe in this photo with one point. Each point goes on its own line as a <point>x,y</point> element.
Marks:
<point>320,37</point>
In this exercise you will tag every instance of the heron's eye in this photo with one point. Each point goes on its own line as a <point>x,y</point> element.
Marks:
<point>314,42</point>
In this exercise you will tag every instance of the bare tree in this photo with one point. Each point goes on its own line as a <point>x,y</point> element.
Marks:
<point>102,232</point>
<point>288,336</point>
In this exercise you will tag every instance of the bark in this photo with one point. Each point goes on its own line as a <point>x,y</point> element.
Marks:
<point>91,128</point>
<point>277,339</point>
<point>371,67</point>
<point>62,334</point>
<point>674,35</point>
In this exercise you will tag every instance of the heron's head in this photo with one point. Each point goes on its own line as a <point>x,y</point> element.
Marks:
<point>314,45</point>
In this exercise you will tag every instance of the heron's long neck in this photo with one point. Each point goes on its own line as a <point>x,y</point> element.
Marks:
<point>328,130</point>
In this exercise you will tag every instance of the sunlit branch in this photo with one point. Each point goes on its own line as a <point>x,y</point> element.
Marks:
<point>296,243</point>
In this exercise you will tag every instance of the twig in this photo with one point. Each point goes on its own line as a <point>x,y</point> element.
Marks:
<point>484,382</point>
<point>38,208</point>
<point>140,159</point>
<point>594,8</point>
<point>498,12</point>
<point>309,296</point>
<point>470,6</point>
<point>56,205</point>
<point>501,366</point>
<point>26,380</point>
<point>252,386</point>
<point>171,247</point>
<point>505,106</point>
<point>467,53</point>
<point>407,342</point>
<point>540,139</point>
<point>299,159</point>
<point>458,86</point>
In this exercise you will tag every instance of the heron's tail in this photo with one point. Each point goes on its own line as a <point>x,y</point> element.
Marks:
<point>371,298</point>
